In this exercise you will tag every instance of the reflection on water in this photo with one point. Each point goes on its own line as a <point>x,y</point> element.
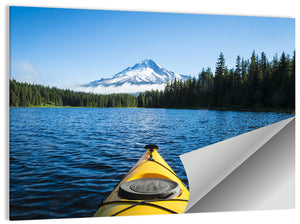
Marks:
<point>64,161</point>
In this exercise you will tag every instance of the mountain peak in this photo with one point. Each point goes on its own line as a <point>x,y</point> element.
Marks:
<point>147,62</point>
<point>146,73</point>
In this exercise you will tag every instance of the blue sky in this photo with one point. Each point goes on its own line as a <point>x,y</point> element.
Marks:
<point>68,47</point>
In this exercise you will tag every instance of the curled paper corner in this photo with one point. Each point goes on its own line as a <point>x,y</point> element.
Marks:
<point>252,171</point>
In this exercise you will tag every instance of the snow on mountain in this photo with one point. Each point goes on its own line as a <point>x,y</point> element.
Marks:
<point>143,76</point>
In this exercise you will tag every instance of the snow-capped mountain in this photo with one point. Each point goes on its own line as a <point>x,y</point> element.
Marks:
<point>145,75</point>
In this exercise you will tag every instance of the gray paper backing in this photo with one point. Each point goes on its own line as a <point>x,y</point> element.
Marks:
<point>253,171</point>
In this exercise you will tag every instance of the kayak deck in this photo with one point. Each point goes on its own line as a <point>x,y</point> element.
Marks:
<point>150,187</point>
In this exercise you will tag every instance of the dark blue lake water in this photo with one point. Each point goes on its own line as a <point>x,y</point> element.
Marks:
<point>64,161</point>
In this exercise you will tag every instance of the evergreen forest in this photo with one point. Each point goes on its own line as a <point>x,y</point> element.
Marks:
<point>253,84</point>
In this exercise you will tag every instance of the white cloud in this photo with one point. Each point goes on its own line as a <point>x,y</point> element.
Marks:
<point>24,71</point>
<point>125,88</point>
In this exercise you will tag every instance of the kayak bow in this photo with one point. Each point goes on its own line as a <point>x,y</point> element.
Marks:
<point>151,187</point>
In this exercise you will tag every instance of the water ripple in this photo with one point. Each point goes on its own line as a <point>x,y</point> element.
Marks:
<point>64,161</point>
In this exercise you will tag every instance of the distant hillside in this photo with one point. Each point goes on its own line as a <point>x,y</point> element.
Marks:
<point>254,84</point>
<point>28,95</point>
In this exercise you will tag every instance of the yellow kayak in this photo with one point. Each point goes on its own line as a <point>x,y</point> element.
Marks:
<point>151,187</point>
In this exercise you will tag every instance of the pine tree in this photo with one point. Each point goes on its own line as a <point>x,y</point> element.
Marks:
<point>221,70</point>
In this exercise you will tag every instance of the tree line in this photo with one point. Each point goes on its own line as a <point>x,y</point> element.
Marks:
<point>255,83</point>
<point>28,95</point>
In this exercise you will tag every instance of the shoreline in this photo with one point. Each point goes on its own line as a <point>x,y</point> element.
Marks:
<point>287,111</point>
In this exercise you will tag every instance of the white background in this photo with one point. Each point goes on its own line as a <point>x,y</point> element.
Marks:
<point>274,8</point>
